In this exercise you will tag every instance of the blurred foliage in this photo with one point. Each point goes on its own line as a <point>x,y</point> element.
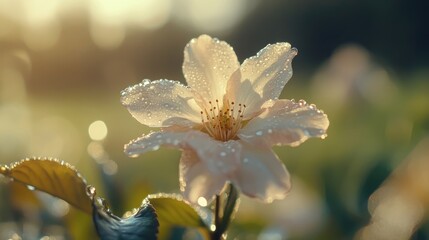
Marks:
<point>63,64</point>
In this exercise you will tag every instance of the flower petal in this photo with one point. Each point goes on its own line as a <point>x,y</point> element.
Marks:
<point>208,65</point>
<point>196,180</point>
<point>261,174</point>
<point>264,74</point>
<point>285,122</point>
<point>161,103</point>
<point>218,157</point>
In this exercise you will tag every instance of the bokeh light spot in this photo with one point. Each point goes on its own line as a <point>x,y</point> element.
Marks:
<point>97,130</point>
<point>202,202</point>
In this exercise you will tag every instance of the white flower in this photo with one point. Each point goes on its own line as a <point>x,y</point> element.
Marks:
<point>226,120</point>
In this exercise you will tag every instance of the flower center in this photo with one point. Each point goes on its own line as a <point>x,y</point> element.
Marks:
<point>223,123</point>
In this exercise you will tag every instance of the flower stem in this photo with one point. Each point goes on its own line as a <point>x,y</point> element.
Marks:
<point>222,221</point>
<point>215,233</point>
<point>217,210</point>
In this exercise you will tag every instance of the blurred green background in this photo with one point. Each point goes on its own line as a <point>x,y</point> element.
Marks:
<point>64,63</point>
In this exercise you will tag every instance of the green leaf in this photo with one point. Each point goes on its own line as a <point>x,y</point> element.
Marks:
<point>173,210</point>
<point>141,225</point>
<point>52,176</point>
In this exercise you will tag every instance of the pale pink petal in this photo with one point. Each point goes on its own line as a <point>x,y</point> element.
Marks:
<point>161,103</point>
<point>208,65</point>
<point>196,180</point>
<point>219,157</point>
<point>263,75</point>
<point>261,174</point>
<point>285,122</point>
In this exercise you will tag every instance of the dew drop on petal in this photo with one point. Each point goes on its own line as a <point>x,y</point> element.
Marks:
<point>156,147</point>
<point>259,133</point>
<point>133,155</point>
<point>31,188</point>
<point>145,82</point>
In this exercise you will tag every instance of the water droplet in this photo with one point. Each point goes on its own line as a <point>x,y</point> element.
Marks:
<point>156,147</point>
<point>145,82</point>
<point>4,169</point>
<point>259,133</point>
<point>90,191</point>
<point>222,154</point>
<point>31,188</point>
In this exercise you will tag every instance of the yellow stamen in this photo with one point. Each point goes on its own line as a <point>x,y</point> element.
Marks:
<point>223,123</point>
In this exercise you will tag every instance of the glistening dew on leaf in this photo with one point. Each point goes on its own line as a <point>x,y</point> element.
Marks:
<point>226,120</point>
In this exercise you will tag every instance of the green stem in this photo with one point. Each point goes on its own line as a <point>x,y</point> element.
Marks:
<point>215,233</point>
<point>223,222</point>
<point>217,211</point>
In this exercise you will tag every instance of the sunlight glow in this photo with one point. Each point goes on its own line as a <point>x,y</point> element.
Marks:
<point>212,15</point>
